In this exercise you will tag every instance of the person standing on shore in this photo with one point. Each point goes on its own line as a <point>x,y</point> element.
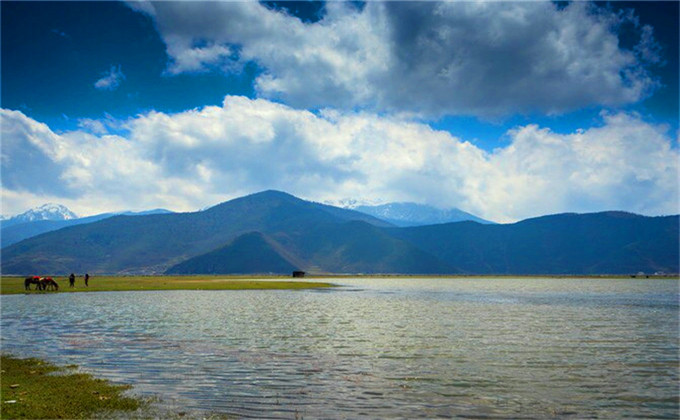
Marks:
<point>71,280</point>
<point>87,277</point>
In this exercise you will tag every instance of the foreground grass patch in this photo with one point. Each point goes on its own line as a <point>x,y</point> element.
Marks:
<point>34,389</point>
<point>14,285</point>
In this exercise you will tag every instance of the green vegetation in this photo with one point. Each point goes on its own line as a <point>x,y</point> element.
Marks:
<point>147,244</point>
<point>248,253</point>
<point>32,390</point>
<point>15,285</point>
<point>580,244</point>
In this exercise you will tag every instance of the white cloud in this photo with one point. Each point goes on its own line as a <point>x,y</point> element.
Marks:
<point>93,126</point>
<point>111,80</point>
<point>430,58</point>
<point>31,156</point>
<point>624,164</point>
<point>196,158</point>
<point>106,125</point>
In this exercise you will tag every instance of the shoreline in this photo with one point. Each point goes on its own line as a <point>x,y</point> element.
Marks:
<point>10,285</point>
<point>81,395</point>
<point>15,285</point>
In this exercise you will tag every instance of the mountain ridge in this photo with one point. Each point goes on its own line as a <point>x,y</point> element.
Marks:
<point>153,243</point>
<point>326,239</point>
<point>609,242</point>
<point>15,232</point>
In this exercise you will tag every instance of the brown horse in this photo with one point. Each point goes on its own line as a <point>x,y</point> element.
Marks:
<point>32,280</point>
<point>48,282</point>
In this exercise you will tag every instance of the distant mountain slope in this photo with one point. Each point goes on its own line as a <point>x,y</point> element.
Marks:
<point>15,232</point>
<point>358,247</point>
<point>413,214</point>
<point>349,247</point>
<point>250,253</point>
<point>153,243</point>
<point>596,243</point>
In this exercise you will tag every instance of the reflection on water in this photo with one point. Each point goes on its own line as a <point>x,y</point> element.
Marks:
<point>529,348</point>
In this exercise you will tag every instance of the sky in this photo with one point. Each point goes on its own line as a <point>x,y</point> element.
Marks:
<point>507,110</point>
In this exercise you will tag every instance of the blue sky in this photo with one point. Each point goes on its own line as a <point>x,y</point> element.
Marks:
<point>506,110</point>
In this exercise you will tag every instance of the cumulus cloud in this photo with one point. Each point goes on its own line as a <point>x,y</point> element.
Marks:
<point>91,173</point>
<point>430,58</point>
<point>196,158</point>
<point>624,164</point>
<point>31,157</point>
<point>111,80</point>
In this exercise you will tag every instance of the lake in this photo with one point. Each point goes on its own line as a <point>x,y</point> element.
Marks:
<point>401,348</point>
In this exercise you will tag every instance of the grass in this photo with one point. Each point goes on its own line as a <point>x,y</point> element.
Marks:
<point>15,285</point>
<point>35,389</point>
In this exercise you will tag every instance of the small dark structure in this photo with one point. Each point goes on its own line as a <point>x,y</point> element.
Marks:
<point>298,273</point>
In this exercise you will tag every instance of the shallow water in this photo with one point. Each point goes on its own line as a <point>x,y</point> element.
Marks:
<point>522,348</point>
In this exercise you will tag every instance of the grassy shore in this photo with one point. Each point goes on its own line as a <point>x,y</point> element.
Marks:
<point>35,389</point>
<point>15,285</point>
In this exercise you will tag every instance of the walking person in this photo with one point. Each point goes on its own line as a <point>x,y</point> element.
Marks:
<point>87,277</point>
<point>72,280</point>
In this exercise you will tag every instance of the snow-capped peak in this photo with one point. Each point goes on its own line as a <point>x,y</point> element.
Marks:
<point>351,203</point>
<point>49,211</point>
<point>414,214</point>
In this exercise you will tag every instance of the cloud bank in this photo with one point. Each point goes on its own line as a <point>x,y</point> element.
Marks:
<point>486,59</point>
<point>197,158</point>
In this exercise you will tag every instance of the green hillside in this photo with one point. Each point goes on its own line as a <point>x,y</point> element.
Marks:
<point>153,243</point>
<point>596,243</point>
<point>250,253</point>
<point>274,232</point>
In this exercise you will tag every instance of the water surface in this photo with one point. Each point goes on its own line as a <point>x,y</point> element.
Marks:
<point>403,348</point>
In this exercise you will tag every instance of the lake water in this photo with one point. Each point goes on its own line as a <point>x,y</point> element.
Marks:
<point>375,348</point>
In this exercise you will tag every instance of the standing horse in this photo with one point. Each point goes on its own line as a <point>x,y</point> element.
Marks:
<point>32,280</point>
<point>46,282</point>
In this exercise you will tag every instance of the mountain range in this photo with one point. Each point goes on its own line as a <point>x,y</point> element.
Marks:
<point>49,217</point>
<point>274,232</point>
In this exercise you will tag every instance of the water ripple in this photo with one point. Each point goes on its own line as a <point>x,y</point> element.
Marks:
<point>376,348</point>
